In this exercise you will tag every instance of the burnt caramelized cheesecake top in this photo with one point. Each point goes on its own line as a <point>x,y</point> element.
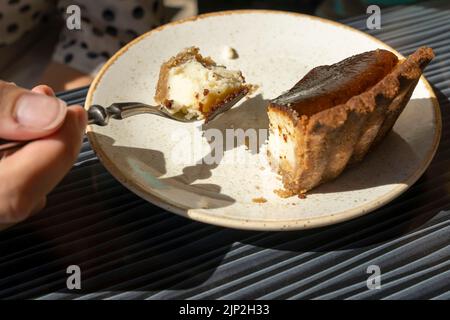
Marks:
<point>330,85</point>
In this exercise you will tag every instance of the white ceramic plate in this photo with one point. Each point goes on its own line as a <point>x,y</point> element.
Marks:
<point>155,157</point>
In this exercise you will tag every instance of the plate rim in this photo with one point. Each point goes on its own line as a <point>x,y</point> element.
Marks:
<point>201,215</point>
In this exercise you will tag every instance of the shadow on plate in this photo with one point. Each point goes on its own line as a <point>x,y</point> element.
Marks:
<point>150,165</point>
<point>250,114</point>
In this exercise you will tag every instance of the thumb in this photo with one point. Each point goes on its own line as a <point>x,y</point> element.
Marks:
<point>26,115</point>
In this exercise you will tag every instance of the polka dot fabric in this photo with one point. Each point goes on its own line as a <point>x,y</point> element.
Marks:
<point>17,17</point>
<point>106,26</point>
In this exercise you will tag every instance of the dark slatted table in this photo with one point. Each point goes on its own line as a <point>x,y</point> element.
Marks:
<point>130,249</point>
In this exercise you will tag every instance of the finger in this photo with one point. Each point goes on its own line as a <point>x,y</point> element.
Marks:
<point>29,174</point>
<point>44,89</point>
<point>27,115</point>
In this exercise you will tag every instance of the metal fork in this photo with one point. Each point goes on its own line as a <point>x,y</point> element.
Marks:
<point>99,115</point>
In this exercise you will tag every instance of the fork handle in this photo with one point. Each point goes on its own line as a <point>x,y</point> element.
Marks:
<point>98,115</point>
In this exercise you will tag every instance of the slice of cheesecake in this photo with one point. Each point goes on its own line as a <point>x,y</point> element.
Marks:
<point>336,114</point>
<point>196,86</point>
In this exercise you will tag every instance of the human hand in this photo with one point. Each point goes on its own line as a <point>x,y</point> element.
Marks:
<point>30,173</point>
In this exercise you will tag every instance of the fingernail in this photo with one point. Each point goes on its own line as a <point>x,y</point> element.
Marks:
<point>37,111</point>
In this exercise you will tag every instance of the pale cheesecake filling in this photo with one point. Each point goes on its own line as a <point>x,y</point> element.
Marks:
<point>281,144</point>
<point>193,88</point>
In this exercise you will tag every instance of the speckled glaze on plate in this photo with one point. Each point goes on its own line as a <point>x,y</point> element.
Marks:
<point>160,160</point>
